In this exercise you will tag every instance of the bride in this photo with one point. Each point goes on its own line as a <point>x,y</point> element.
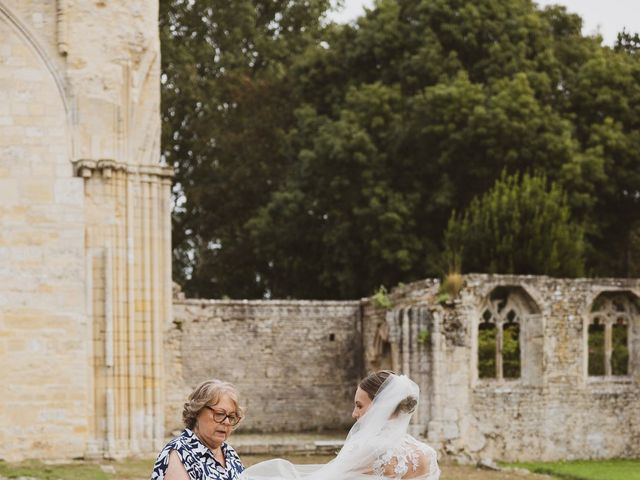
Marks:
<point>378,444</point>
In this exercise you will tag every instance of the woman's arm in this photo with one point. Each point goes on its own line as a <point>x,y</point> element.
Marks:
<point>175,469</point>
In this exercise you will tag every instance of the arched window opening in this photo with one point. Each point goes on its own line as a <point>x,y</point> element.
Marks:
<point>510,337</point>
<point>620,348</point>
<point>487,350</point>
<point>608,342</point>
<point>511,350</point>
<point>596,348</point>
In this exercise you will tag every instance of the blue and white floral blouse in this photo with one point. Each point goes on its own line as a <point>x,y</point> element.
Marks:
<point>198,459</point>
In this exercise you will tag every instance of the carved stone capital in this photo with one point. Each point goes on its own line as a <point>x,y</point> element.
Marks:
<point>84,167</point>
<point>107,167</point>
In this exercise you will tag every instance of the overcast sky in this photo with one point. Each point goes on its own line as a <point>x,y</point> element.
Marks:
<point>608,17</point>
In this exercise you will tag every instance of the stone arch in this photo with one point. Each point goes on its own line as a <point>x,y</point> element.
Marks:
<point>510,327</point>
<point>35,106</point>
<point>612,334</point>
<point>25,33</point>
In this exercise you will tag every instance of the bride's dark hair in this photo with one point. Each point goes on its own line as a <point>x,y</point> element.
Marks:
<point>371,385</point>
<point>372,382</point>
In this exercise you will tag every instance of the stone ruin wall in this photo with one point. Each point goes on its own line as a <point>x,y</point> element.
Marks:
<point>560,412</point>
<point>553,411</point>
<point>394,338</point>
<point>295,363</point>
<point>280,355</point>
<point>41,252</point>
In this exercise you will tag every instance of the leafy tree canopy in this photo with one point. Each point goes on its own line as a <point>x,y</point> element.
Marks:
<point>316,160</point>
<point>519,226</point>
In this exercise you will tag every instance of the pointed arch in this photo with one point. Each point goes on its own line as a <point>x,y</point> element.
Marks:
<point>24,32</point>
<point>611,328</point>
<point>510,336</point>
<point>31,40</point>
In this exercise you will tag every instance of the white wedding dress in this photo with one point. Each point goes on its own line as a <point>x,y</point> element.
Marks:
<point>410,459</point>
<point>378,445</point>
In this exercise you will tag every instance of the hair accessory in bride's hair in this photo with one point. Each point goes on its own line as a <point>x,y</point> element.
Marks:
<point>408,405</point>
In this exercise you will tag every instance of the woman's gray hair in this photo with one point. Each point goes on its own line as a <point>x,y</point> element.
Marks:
<point>207,393</point>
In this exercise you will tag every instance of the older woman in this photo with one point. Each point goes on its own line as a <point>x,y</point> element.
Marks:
<point>201,453</point>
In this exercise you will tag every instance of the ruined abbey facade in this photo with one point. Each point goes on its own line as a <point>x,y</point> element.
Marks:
<point>85,271</point>
<point>98,352</point>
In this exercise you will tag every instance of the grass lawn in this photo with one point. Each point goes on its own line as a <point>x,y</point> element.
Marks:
<point>140,469</point>
<point>587,469</point>
<point>41,471</point>
<point>129,469</point>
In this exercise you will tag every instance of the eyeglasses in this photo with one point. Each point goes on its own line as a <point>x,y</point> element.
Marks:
<point>221,416</point>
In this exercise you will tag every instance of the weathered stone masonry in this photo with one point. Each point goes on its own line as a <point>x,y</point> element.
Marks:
<point>294,362</point>
<point>85,268</point>
<point>280,356</point>
<point>555,410</point>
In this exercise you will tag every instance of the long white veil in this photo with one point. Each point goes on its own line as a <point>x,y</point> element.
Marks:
<point>381,428</point>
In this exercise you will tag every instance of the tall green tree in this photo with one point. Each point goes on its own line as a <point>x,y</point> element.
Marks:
<point>226,106</point>
<point>522,225</point>
<point>340,226</point>
<point>606,108</point>
<point>329,158</point>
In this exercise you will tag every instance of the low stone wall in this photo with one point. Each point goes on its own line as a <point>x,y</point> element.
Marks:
<point>295,363</point>
<point>594,421</point>
<point>555,410</point>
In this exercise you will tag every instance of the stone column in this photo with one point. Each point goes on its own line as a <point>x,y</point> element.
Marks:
<point>127,243</point>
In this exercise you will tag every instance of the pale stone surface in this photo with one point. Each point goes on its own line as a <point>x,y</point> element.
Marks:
<point>42,333</point>
<point>86,233</point>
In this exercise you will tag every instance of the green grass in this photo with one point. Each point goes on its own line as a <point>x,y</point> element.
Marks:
<point>39,470</point>
<point>140,469</point>
<point>587,469</point>
<point>128,469</point>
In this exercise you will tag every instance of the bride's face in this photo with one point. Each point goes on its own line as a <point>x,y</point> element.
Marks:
<point>361,402</point>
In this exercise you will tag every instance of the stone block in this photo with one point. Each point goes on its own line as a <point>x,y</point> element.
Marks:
<point>69,191</point>
<point>10,192</point>
<point>36,190</point>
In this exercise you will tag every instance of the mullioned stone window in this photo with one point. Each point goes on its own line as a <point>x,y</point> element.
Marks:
<point>509,341</point>
<point>609,334</point>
